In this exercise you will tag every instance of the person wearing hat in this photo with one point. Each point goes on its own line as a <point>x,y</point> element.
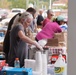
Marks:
<point>61,21</point>
<point>49,17</point>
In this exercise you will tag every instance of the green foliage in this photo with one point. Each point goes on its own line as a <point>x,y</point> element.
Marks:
<point>5,4</point>
<point>45,3</point>
<point>31,1</point>
<point>24,3</point>
<point>18,4</point>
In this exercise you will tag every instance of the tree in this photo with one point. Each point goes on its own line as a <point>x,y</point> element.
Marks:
<point>5,4</point>
<point>18,4</point>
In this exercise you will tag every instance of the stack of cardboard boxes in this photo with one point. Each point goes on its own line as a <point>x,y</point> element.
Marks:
<point>60,39</point>
<point>59,42</point>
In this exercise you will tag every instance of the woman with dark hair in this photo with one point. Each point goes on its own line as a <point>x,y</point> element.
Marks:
<point>32,11</point>
<point>6,43</point>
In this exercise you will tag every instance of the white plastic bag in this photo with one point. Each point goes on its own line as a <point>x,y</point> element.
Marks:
<point>42,42</point>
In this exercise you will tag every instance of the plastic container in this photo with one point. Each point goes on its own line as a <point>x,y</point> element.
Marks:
<point>17,63</point>
<point>44,64</point>
<point>50,69</point>
<point>16,71</point>
<point>29,63</point>
<point>60,66</point>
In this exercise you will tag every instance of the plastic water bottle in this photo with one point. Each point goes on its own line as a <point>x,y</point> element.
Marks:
<point>17,63</point>
<point>60,66</point>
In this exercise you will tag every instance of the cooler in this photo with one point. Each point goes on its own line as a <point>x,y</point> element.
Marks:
<point>16,71</point>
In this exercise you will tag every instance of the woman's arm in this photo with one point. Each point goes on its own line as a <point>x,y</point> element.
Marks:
<point>28,40</point>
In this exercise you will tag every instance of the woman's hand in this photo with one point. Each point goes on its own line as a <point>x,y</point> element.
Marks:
<point>38,46</point>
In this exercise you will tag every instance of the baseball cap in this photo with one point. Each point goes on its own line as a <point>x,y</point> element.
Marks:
<point>60,18</point>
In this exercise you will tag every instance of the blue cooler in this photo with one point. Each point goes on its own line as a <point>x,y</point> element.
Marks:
<point>16,71</point>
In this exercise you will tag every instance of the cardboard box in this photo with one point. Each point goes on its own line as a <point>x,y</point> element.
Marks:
<point>52,42</point>
<point>61,36</point>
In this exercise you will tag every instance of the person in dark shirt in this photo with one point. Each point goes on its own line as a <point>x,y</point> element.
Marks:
<point>40,18</point>
<point>6,43</point>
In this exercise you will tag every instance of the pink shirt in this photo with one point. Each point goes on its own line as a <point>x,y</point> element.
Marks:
<point>45,22</point>
<point>48,31</point>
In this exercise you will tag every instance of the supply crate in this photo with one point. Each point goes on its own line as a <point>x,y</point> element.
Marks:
<point>16,71</point>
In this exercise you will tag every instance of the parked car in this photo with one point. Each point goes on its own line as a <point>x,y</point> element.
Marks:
<point>18,10</point>
<point>5,22</point>
<point>3,13</point>
<point>11,14</point>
